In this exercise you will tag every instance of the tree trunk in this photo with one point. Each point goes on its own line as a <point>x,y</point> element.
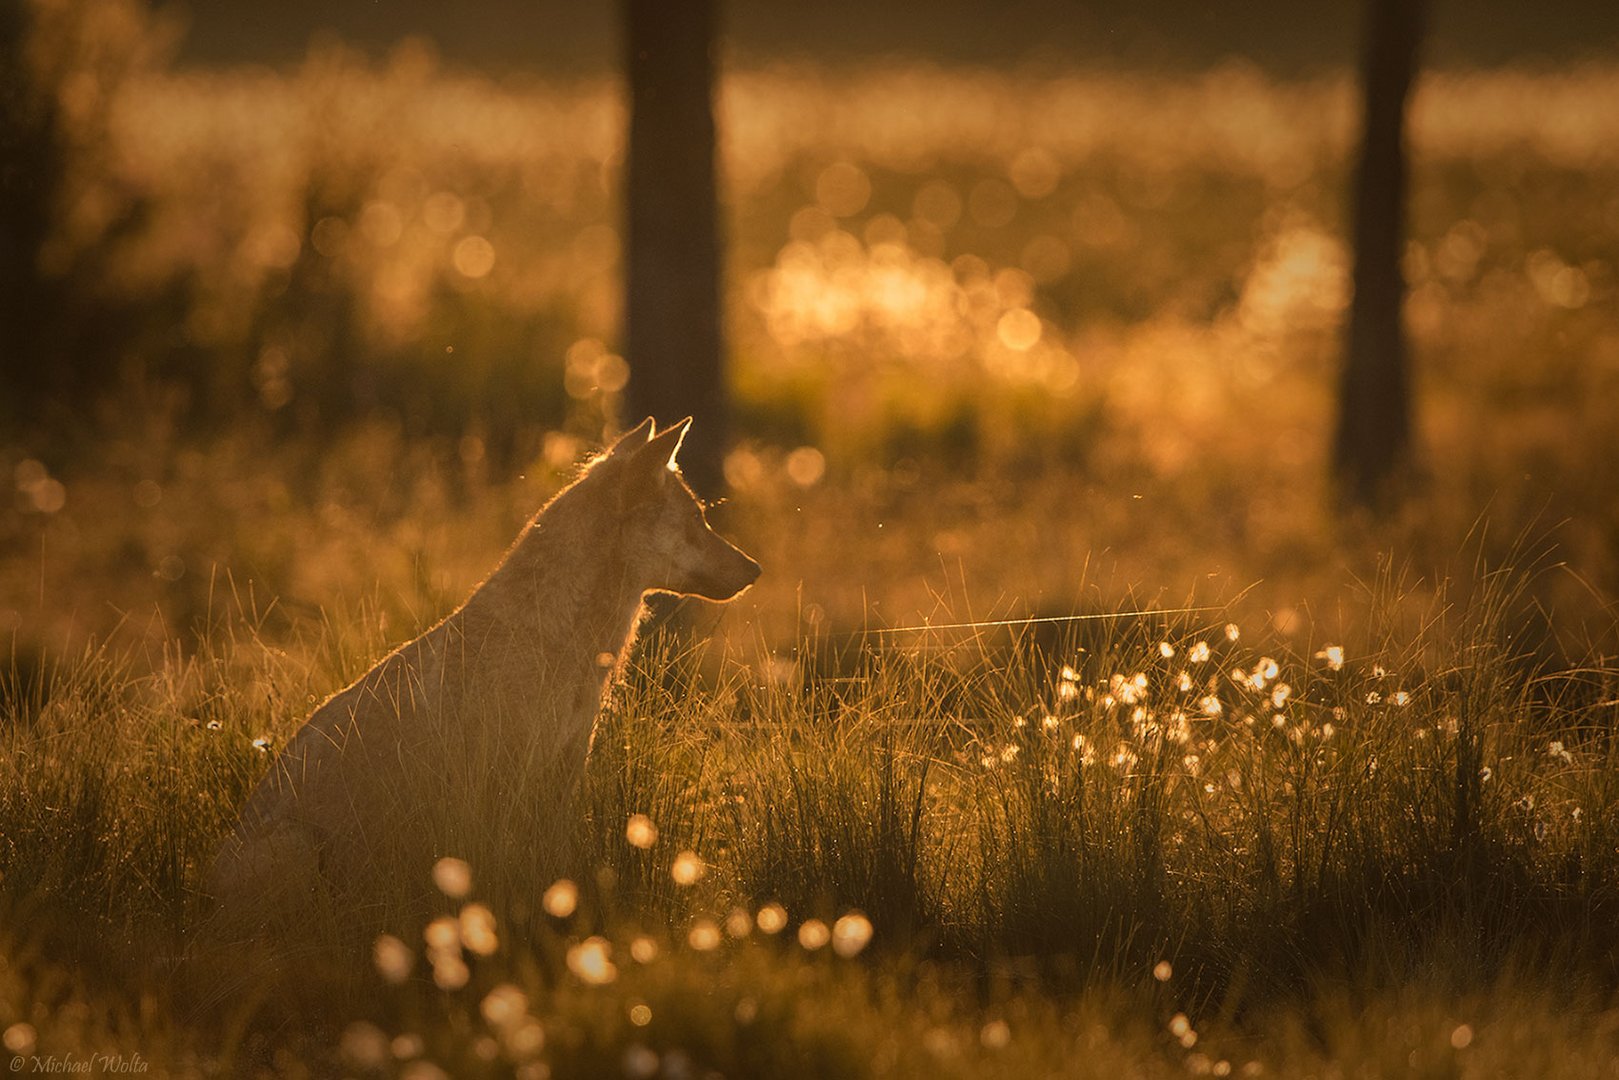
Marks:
<point>30,168</point>
<point>672,336</point>
<point>1374,418</point>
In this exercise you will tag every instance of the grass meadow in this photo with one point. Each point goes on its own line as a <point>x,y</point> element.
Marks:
<point>1017,356</point>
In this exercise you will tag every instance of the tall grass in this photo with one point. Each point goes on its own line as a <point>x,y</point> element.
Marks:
<point>1425,807</point>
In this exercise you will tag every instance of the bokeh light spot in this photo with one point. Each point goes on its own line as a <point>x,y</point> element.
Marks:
<point>474,257</point>
<point>842,189</point>
<point>1019,329</point>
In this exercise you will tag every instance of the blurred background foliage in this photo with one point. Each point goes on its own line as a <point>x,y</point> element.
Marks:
<point>295,323</point>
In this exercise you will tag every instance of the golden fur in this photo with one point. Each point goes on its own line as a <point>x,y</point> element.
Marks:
<point>491,711</point>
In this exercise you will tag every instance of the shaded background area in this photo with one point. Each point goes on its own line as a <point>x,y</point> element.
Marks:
<point>1291,38</point>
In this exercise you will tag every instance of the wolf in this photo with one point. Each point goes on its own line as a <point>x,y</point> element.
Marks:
<point>477,731</point>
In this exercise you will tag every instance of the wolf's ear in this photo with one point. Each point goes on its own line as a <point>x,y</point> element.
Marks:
<point>633,439</point>
<point>647,468</point>
<point>661,449</point>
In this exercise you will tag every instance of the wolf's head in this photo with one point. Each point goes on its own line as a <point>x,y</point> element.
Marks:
<point>668,540</point>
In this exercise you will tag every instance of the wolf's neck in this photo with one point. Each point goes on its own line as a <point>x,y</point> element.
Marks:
<point>565,591</point>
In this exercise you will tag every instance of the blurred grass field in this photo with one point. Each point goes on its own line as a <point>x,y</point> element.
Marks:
<point>992,325</point>
<point>1004,345</point>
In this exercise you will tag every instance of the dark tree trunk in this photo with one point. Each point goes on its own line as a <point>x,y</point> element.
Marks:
<point>1374,418</point>
<point>672,336</point>
<point>30,166</point>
